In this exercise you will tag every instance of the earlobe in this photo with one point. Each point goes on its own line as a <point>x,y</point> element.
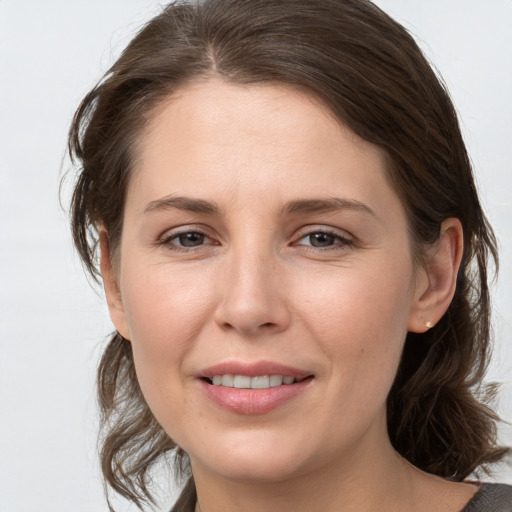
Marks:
<point>111,286</point>
<point>437,288</point>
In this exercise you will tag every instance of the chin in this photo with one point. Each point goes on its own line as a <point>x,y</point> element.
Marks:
<point>262,470</point>
<point>253,460</point>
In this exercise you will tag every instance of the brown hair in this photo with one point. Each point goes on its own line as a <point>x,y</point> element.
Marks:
<point>371,74</point>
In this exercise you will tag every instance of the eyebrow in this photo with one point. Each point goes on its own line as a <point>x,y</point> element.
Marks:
<point>325,205</point>
<point>182,203</point>
<point>299,206</point>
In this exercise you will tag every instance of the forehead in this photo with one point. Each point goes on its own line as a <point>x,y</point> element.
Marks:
<point>262,141</point>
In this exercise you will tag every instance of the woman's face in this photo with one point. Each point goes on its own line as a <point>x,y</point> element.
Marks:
<point>262,240</point>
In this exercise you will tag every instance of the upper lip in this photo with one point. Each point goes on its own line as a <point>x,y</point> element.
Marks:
<point>253,369</point>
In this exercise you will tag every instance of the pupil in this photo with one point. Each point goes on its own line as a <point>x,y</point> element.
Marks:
<point>321,239</point>
<point>191,239</point>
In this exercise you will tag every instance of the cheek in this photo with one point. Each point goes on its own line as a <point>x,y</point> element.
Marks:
<point>165,314</point>
<point>359,319</point>
<point>349,303</point>
<point>164,304</point>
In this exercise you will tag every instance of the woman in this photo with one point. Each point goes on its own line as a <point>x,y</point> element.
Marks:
<point>294,258</point>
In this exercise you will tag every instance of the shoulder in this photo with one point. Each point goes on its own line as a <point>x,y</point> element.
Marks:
<point>491,498</point>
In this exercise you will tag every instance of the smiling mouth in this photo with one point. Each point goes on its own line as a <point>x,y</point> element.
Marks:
<point>256,382</point>
<point>253,389</point>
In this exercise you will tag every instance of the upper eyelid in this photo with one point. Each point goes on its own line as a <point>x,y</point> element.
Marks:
<point>340,241</point>
<point>182,230</point>
<point>169,241</point>
<point>334,235</point>
<point>181,233</point>
<point>308,230</point>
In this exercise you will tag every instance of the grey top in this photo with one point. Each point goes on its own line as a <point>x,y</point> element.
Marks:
<point>491,498</point>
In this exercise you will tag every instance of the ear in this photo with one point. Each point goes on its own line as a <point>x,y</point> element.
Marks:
<point>111,286</point>
<point>437,282</point>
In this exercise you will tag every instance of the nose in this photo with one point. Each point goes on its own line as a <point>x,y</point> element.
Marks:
<point>253,298</point>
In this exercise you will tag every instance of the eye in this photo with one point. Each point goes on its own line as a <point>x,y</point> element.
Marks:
<point>324,240</point>
<point>186,240</point>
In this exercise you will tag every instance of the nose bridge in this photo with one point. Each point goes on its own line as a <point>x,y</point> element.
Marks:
<point>251,301</point>
<point>254,268</point>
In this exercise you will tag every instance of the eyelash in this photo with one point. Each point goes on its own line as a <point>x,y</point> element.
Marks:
<point>340,241</point>
<point>167,240</point>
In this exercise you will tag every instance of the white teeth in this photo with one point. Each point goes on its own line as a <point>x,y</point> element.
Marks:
<point>246,382</point>
<point>260,382</point>
<point>275,380</point>
<point>242,381</point>
<point>227,380</point>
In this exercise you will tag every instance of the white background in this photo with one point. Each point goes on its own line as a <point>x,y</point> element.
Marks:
<point>52,324</point>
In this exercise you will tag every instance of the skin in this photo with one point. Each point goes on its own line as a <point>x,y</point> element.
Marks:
<point>255,287</point>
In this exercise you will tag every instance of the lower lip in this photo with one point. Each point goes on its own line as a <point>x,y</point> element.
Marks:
<point>253,401</point>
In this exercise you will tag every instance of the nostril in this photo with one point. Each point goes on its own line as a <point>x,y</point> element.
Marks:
<point>229,325</point>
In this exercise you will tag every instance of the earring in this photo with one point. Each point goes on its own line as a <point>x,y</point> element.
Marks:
<point>429,324</point>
